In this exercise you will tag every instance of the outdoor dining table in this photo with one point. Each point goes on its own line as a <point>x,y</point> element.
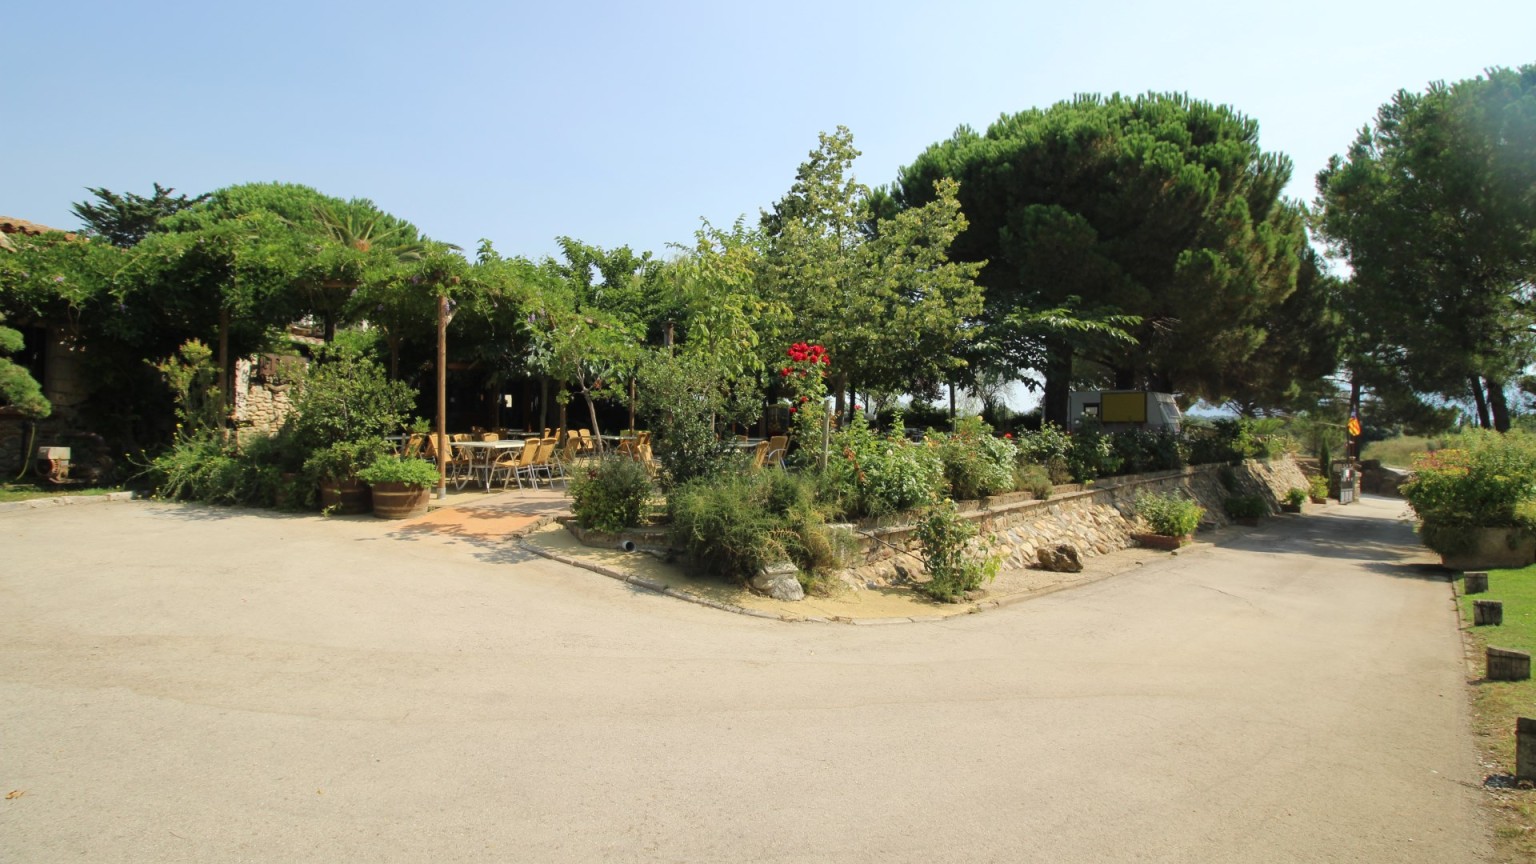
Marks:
<point>482,456</point>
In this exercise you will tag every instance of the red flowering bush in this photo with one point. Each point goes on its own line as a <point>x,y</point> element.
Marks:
<point>804,375</point>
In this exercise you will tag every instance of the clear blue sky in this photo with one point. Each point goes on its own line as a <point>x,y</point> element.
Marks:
<point>624,123</point>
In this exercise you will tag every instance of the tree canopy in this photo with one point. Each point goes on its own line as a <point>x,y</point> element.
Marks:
<point>1434,209</point>
<point>1156,215</point>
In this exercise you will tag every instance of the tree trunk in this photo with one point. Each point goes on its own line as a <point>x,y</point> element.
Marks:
<point>952,412</point>
<point>1125,379</point>
<point>839,382</point>
<point>1498,406</point>
<point>1482,404</point>
<point>1055,401</point>
<point>592,415</point>
<point>330,328</point>
<point>544,403</point>
<point>394,355</point>
<point>631,403</point>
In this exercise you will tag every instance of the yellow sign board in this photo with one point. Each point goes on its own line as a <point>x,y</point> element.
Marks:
<point>1123,407</point>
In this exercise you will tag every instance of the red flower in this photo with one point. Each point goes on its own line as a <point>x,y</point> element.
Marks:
<point>791,409</point>
<point>1008,435</point>
<point>784,372</point>
<point>805,398</point>
<point>858,407</point>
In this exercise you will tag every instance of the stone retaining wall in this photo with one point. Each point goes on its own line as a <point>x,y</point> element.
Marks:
<point>1096,519</point>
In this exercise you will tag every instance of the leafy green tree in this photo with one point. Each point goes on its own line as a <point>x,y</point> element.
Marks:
<point>18,389</point>
<point>124,220</point>
<point>881,295</point>
<point>1434,208</point>
<point>1157,208</point>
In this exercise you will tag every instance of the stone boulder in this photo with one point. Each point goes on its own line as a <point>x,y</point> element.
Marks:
<point>779,581</point>
<point>1061,558</point>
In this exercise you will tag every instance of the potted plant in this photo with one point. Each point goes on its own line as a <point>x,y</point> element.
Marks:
<point>401,486</point>
<point>1293,500</point>
<point>335,468</point>
<point>1246,509</point>
<point>1476,500</point>
<point>1171,517</point>
<point>1318,489</point>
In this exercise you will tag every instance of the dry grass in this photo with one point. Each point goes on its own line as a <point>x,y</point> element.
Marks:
<point>1399,452</point>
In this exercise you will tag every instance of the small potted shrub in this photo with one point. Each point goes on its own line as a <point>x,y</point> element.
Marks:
<point>1318,489</point>
<point>402,486</point>
<point>1171,517</point>
<point>1293,500</point>
<point>1246,509</point>
<point>334,468</point>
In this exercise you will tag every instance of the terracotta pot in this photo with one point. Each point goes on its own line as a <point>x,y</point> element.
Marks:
<point>1290,508</point>
<point>400,500</point>
<point>345,497</point>
<point>1166,542</point>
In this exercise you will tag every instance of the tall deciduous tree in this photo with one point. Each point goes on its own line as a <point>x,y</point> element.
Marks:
<point>880,294</point>
<point>1158,209</point>
<point>1434,208</point>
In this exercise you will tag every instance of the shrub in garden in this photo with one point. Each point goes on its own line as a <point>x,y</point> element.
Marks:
<point>1143,450</point>
<point>611,495</point>
<point>1296,496</point>
<point>681,399</point>
<point>1482,480</point>
<point>733,525</point>
<point>346,396</point>
<point>1048,447</point>
<point>394,469</point>
<point>1092,453</point>
<point>870,474</point>
<point>1317,486</point>
<point>1169,513</point>
<point>1246,506</point>
<point>1232,440</point>
<point>975,463</point>
<point>953,568</point>
<point>1034,479</point>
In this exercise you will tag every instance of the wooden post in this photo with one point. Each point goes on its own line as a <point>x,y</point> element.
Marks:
<point>442,396</point>
<point>1506,665</point>
<point>1475,582</point>
<point>1525,748</point>
<point>1487,613</point>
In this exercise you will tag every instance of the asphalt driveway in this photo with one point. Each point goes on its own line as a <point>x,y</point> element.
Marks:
<point>196,684</point>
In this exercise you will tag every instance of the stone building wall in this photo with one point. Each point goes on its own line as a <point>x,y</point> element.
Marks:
<point>1096,519</point>
<point>263,400</point>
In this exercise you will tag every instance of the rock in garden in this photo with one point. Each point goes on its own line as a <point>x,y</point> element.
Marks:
<point>779,581</point>
<point>1061,558</point>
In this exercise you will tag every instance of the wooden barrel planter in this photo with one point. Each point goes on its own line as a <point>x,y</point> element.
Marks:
<point>1487,613</point>
<point>400,500</point>
<point>1506,665</point>
<point>1475,582</point>
<point>345,497</point>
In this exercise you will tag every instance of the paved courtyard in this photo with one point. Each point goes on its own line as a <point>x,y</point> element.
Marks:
<point>209,685</point>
